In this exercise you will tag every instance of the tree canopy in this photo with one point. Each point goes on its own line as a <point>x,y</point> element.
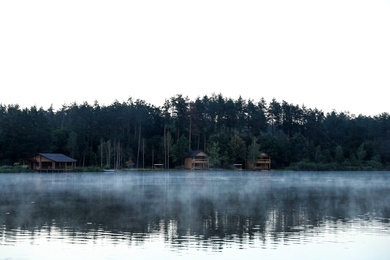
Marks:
<point>231,131</point>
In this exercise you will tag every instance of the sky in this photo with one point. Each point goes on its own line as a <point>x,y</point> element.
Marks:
<point>330,55</point>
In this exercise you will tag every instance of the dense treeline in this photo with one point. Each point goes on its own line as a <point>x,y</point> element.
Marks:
<point>137,134</point>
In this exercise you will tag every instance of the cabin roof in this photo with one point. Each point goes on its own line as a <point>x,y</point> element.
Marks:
<point>193,153</point>
<point>57,157</point>
<point>264,155</point>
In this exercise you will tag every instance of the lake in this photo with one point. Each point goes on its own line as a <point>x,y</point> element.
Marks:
<point>195,215</point>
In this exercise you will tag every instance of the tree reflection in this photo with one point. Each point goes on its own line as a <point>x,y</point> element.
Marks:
<point>187,208</point>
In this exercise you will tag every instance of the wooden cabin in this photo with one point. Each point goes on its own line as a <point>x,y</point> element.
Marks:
<point>263,162</point>
<point>196,160</point>
<point>52,162</point>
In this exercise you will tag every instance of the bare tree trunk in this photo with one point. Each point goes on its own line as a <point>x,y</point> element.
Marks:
<point>101,153</point>
<point>108,154</point>
<point>204,142</point>
<point>165,145</point>
<point>168,147</point>
<point>84,158</point>
<point>152,156</point>
<point>118,155</point>
<point>143,153</point>
<point>189,135</point>
<point>139,145</point>
<point>114,154</point>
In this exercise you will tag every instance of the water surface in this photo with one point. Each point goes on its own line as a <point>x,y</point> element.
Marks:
<point>195,214</point>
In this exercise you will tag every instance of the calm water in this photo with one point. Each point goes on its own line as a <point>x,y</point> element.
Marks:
<point>195,215</point>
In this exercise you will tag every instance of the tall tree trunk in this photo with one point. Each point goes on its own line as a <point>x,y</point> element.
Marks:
<point>165,145</point>
<point>83,158</point>
<point>139,145</point>
<point>189,135</point>
<point>168,147</point>
<point>143,153</point>
<point>118,155</point>
<point>204,142</point>
<point>108,154</point>
<point>101,152</point>
<point>152,156</point>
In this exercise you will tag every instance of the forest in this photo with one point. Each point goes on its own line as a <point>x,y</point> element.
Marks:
<point>135,134</point>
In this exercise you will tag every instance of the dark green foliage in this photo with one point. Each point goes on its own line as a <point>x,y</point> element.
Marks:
<point>213,152</point>
<point>180,150</point>
<point>137,134</point>
<point>236,150</point>
<point>253,152</point>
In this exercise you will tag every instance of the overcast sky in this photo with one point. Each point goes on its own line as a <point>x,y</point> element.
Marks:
<point>332,54</point>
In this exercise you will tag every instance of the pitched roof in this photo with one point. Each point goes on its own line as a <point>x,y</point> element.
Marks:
<point>193,153</point>
<point>57,157</point>
<point>264,155</point>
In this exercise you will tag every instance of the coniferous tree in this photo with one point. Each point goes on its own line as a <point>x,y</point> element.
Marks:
<point>140,132</point>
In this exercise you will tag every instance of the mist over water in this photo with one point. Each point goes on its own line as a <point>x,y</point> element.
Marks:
<point>185,213</point>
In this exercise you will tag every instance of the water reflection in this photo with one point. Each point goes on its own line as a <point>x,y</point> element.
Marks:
<point>209,211</point>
